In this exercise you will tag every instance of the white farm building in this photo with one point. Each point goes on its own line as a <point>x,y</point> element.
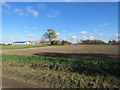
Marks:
<point>21,43</point>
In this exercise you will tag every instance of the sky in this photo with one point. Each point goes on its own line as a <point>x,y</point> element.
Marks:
<point>71,21</point>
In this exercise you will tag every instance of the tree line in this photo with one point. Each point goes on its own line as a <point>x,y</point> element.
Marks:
<point>63,42</point>
<point>111,42</point>
<point>50,34</point>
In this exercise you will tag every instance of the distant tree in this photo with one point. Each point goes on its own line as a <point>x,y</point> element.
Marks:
<point>50,34</point>
<point>57,42</point>
<point>53,42</point>
<point>95,42</point>
<point>81,41</point>
<point>114,42</point>
<point>110,42</point>
<point>63,42</point>
<point>69,43</point>
<point>2,44</point>
<point>9,44</point>
<point>84,42</point>
<point>92,42</point>
<point>119,42</point>
<point>89,42</point>
<point>66,42</point>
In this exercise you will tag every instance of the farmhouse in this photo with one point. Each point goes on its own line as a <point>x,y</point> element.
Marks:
<point>21,43</point>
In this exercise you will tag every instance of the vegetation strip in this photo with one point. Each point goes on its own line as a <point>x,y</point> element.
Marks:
<point>64,72</point>
<point>5,47</point>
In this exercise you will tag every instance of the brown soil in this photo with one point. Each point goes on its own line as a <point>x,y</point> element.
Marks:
<point>83,51</point>
<point>8,82</point>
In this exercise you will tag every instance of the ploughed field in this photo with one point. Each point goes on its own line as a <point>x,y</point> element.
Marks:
<point>77,51</point>
<point>74,66</point>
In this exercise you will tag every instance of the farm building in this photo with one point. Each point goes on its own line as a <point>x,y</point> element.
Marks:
<point>21,43</point>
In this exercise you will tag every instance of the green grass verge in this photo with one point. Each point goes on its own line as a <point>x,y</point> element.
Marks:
<point>17,47</point>
<point>64,72</point>
<point>4,47</point>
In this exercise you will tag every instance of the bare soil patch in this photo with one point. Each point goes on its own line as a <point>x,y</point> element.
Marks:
<point>8,82</point>
<point>78,51</point>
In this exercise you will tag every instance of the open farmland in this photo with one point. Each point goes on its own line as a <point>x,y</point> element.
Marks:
<point>77,51</point>
<point>91,66</point>
<point>7,47</point>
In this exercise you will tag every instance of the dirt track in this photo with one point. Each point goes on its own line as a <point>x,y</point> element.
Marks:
<point>15,83</point>
<point>69,51</point>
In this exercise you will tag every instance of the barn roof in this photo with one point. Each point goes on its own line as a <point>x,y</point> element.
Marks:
<point>20,42</point>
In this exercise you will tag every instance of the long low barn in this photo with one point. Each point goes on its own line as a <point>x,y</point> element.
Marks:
<point>21,43</point>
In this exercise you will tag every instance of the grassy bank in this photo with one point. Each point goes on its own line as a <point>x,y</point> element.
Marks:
<point>64,72</point>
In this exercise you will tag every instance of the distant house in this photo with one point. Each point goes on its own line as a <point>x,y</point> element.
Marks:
<point>21,43</point>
